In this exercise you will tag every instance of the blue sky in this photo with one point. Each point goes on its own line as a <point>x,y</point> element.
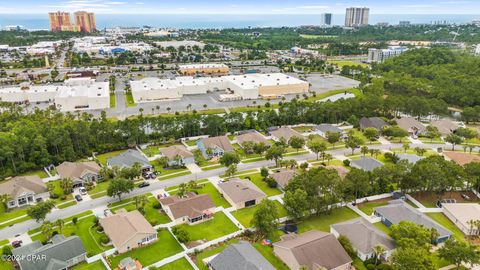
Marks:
<point>241,7</point>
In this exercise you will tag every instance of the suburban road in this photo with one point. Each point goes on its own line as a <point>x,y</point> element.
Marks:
<point>25,226</point>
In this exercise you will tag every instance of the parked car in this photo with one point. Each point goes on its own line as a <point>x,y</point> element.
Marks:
<point>149,175</point>
<point>78,198</point>
<point>17,243</point>
<point>83,191</point>
<point>144,184</point>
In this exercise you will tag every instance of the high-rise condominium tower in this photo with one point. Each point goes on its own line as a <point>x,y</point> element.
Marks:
<point>85,21</point>
<point>356,16</point>
<point>326,19</point>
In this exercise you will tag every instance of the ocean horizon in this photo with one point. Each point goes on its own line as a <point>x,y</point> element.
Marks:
<point>204,21</point>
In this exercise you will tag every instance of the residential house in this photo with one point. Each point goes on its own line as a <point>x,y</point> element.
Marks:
<point>372,122</point>
<point>366,163</point>
<point>283,177</point>
<point>62,253</point>
<point>241,255</point>
<point>285,133</point>
<point>364,237</point>
<point>461,158</point>
<point>412,126</point>
<point>397,211</point>
<point>129,264</point>
<point>445,127</point>
<point>24,190</point>
<point>313,250</point>
<point>190,209</point>
<point>411,158</point>
<point>241,193</point>
<point>178,155</point>
<point>79,172</point>
<point>217,145</point>
<point>461,214</point>
<point>128,230</point>
<point>322,129</point>
<point>129,158</point>
<point>253,137</point>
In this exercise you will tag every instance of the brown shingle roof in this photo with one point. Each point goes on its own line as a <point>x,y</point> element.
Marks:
<point>462,158</point>
<point>252,137</point>
<point>123,226</point>
<point>444,126</point>
<point>220,141</point>
<point>283,177</point>
<point>409,123</point>
<point>23,184</point>
<point>75,170</point>
<point>191,207</point>
<point>315,249</point>
<point>173,151</point>
<point>286,133</point>
<point>241,190</point>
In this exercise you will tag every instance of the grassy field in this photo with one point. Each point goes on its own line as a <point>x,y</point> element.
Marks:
<point>164,172</point>
<point>368,207</point>
<point>322,222</point>
<point>11,214</point>
<point>100,187</point>
<point>164,247</point>
<point>212,167</point>
<point>66,204</point>
<point>209,188</point>
<point>445,222</point>
<point>102,158</point>
<point>129,99</point>
<point>152,215</point>
<point>178,264</point>
<point>216,227</point>
<point>39,173</point>
<point>382,227</point>
<point>113,100</point>
<point>257,179</point>
<point>341,63</point>
<point>245,215</point>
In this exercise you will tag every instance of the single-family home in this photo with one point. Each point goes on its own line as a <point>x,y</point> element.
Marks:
<point>445,127</point>
<point>129,158</point>
<point>24,190</point>
<point>283,177</point>
<point>461,158</point>
<point>411,158</point>
<point>62,253</point>
<point>411,125</point>
<point>372,122</point>
<point>178,155</point>
<point>364,237</point>
<point>284,133</point>
<point>241,193</point>
<point>241,255</point>
<point>313,250</point>
<point>128,230</point>
<point>217,145</point>
<point>366,163</point>
<point>322,129</point>
<point>191,208</point>
<point>79,172</point>
<point>252,136</point>
<point>462,214</point>
<point>397,211</point>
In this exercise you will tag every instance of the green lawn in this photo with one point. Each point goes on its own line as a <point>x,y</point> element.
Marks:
<point>436,140</point>
<point>164,247</point>
<point>253,160</point>
<point>212,167</point>
<point>66,204</point>
<point>152,215</point>
<point>191,142</point>
<point>100,187</point>
<point>6,265</point>
<point>439,262</point>
<point>102,158</point>
<point>173,175</point>
<point>445,222</point>
<point>212,251</point>
<point>39,173</point>
<point>303,129</point>
<point>245,215</point>
<point>11,214</point>
<point>83,229</point>
<point>66,220</point>
<point>243,155</point>
<point>382,227</point>
<point>216,227</point>
<point>341,63</point>
<point>124,201</point>
<point>208,188</point>
<point>129,98</point>
<point>98,265</point>
<point>257,180</point>
<point>322,222</point>
<point>113,100</point>
<point>267,253</point>
<point>241,172</point>
<point>182,264</point>
<point>368,207</point>
<point>3,242</point>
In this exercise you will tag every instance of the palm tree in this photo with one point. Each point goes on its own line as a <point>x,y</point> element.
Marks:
<point>46,229</point>
<point>364,150</point>
<point>406,146</point>
<point>379,250</point>
<point>59,223</point>
<point>328,157</point>
<point>67,185</point>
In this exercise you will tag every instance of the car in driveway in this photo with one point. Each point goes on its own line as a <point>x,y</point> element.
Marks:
<point>78,198</point>
<point>144,184</point>
<point>17,243</point>
<point>83,191</point>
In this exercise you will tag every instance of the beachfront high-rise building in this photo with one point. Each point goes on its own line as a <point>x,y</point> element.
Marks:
<point>356,16</point>
<point>60,21</point>
<point>85,21</point>
<point>326,19</point>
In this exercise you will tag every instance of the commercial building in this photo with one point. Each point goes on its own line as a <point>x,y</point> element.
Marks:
<point>204,69</point>
<point>356,16</point>
<point>325,19</point>
<point>380,55</point>
<point>179,43</point>
<point>85,21</point>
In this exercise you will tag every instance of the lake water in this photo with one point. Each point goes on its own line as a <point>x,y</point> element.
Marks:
<point>201,21</point>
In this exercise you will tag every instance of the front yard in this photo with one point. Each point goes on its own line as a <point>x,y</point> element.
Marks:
<point>152,215</point>
<point>216,227</point>
<point>207,188</point>
<point>164,247</point>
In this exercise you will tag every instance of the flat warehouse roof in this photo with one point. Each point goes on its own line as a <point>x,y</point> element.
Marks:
<point>258,80</point>
<point>203,66</point>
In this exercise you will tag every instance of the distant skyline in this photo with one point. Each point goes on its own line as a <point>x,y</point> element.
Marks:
<point>239,7</point>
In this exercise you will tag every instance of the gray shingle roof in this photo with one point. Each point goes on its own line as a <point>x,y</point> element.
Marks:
<point>240,256</point>
<point>398,211</point>
<point>327,128</point>
<point>128,159</point>
<point>57,254</point>
<point>366,163</point>
<point>373,122</point>
<point>410,157</point>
